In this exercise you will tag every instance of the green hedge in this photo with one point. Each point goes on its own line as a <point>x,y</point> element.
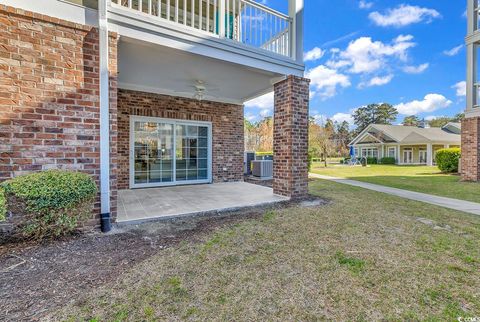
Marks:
<point>372,161</point>
<point>388,160</point>
<point>3,205</point>
<point>447,159</point>
<point>50,203</point>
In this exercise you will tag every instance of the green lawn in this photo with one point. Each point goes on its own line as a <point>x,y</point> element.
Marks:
<point>364,256</point>
<point>415,178</point>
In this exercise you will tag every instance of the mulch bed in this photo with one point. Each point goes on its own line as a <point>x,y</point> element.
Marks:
<point>38,278</point>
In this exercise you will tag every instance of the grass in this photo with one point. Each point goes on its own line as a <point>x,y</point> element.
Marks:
<point>415,178</point>
<point>342,261</point>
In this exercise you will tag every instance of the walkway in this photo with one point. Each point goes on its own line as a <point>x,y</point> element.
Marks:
<point>456,204</point>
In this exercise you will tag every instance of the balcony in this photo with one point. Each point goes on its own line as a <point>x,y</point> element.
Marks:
<point>242,22</point>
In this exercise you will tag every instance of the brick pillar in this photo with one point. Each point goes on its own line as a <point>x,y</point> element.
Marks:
<point>290,137</point>
<point>470,166</point>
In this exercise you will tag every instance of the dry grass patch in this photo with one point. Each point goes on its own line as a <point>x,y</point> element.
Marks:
<point>364,256</point>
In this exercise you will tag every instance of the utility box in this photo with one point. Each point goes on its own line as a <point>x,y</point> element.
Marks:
<point>248,157</point>
<point>263,169</point>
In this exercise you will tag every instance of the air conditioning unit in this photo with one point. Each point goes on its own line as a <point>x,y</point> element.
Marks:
<point>262,169</point>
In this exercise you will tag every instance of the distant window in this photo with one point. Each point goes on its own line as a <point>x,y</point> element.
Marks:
<point>370,152</point>
<point>392,152</point>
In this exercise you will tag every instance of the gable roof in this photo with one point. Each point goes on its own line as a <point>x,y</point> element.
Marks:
<point>412,134</point>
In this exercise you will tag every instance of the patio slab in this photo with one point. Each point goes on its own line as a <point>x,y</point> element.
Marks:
<point>150,203</point>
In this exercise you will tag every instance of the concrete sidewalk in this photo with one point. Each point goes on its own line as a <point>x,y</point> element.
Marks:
<point>455,204</point>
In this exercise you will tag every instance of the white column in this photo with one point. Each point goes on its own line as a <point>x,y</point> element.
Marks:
<point>104,109</point>
<point>399,159</point>
<point>221,18</point>
<point>429,154</point>
<point>295,11</point>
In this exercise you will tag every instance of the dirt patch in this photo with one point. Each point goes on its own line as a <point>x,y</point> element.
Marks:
<point>36,279</point>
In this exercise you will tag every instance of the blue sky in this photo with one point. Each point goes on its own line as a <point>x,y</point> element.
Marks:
<point>406,53</point>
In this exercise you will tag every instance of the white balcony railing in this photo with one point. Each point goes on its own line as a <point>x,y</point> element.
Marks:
<point>242,21</point>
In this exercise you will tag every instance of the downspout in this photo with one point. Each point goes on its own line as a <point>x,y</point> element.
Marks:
<point>104,117</point>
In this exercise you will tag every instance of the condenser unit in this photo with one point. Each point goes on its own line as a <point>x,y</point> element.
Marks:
<point>262,168</point>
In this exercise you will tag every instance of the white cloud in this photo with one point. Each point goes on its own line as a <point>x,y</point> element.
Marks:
<point>416,69</point>
<point>376,81</point>
<point>431,117</point>
<point>362,4</point>
<point>251,117</point>
<point>366,56</point>
<point>430,103</point>
<point>314,54</point>
<point>460,88</point>
<point>454,51</point>
<point>262,102</point>
<point>320,118</point>
<point>340,117</point>
<point>325,81</point>
<point>265,112</point>
<point>404,15</point>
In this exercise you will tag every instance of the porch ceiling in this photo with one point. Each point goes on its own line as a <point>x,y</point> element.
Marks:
<point>152,68</point>
<point>147,204</point>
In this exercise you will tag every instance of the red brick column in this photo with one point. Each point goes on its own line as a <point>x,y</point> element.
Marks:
<point>470,149</point>
<point>290,137</point>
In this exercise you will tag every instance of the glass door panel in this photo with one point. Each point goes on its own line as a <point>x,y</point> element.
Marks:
<point>153,152</point>
<point>169,152</point>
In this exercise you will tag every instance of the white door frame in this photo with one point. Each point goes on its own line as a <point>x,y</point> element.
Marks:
<point>410,151</point>
<point>174,122</point>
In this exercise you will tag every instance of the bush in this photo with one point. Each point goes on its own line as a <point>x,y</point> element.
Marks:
<point>3,205</point>
<point>50,203</point>
<point>388,160</point>
<point>447,159</point>
<point>372,160</point>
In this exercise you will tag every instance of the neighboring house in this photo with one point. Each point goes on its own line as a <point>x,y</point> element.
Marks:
<point>149,93</point>
<point>407,144</point>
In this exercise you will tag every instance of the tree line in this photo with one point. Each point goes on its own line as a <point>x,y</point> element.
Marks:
<point>330,138</point>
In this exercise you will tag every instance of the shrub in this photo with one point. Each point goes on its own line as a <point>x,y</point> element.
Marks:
<point>372,160</point>
<point>3,205</point>
<point>447,159</point>
<point>388,160</point>
<point>50,203</point>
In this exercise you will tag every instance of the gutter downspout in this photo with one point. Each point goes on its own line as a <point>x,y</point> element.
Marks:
<point>104,117</point>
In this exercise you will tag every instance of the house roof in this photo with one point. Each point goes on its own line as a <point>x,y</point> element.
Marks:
<point>411,134</point>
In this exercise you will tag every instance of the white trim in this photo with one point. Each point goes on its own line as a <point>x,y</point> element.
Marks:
<point>174,122</point>
<point>139,26</point>
<point>162,91</point>
<point>59,9</point>
<point>104,76</point>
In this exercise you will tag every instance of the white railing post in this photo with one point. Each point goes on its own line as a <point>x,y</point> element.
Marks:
<point>295,10</point>
<point>221,18</point>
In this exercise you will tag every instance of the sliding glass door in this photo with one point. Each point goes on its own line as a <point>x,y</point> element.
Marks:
<point>168,152</point>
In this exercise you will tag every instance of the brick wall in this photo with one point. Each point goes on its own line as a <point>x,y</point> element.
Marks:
<point>49,96</point>
<point>227,129</point>
<point>470,149</point>
<point>290,137</point>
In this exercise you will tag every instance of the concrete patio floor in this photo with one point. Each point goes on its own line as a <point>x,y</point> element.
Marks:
<point>150,203</point>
